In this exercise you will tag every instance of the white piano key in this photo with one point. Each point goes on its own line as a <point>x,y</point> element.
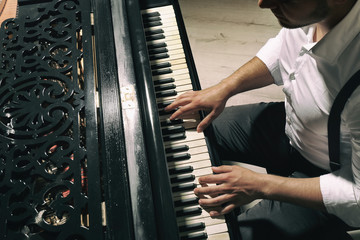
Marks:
<point>166,39</point>
<point>217,228</point>
<point>173,74</point>
<point>191,143</point>
<point>172,62</point>
<point>172,98</point>
<point>171,57</point>
<point>194,218</point>
<point>181,79</point>
<point>186,124</point>
<point>193,151</point>
<point>163,27</point>
<point>196,173</point>
<point>197,165</point>
<point>193,158</point>
<point>186,193</point>
<point>190,136</point>
<point>219,236</point>
<point>172,52</point>
<point>163,10</point>
<point>170,45</point>
<point>213,232</point>
<point>207,220</point>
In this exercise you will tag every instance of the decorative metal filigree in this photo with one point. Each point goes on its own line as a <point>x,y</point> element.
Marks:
<point>43,156</point>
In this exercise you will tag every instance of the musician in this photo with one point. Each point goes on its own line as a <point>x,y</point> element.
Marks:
<point>314,54</point>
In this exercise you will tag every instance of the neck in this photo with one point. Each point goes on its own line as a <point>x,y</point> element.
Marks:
<point>336,14</point>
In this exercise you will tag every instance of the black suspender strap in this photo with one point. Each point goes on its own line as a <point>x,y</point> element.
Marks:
<point>335,119</point>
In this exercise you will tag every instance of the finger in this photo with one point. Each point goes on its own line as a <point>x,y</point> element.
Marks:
<point>212,178</point>
<point>177,103</point>
<point>211,191</point>
<point>222,169</point>
<point>181,100</point>
<point>206,122</point>
<point>216,201</point>
<point>183,111</point>
<point>222,211</point>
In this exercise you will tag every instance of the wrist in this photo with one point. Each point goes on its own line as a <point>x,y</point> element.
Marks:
<point>269,186</point>
<point>228,87</point>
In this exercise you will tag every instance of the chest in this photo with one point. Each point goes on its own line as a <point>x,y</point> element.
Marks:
<point>309,88</point>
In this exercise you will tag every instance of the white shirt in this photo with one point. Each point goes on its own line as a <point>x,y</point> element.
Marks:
<point>312,74</point>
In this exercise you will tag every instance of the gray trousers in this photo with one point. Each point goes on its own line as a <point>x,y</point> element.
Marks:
<point>255,134</point>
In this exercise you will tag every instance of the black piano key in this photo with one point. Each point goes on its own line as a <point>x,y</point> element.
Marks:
<point>164,81</point>
<point>160,65</point>
<point>152,24</point>
<point>152,19</point>
<point>153,32</point>
<point>192,227</point>
<point>195,236</point>
<point>164,104</point>
<point>183,178</point>
<point>189,212</point>
<point>173,130</point>
<point>174,137</point>
<point>171,122</point>
<point>165,87</point>
<point>183,187</point>
<point>157,45</point>
<point>163,112</point>
<point>178,157</point>
<point>150,14</point>
<point>186,202</point>
<point>159,56</point>
<point>167,93</point>
<point>161,71</point>
<point>155,37</point>
<point>175,149</point>
<point>181,170</point>
<point>157,51</point>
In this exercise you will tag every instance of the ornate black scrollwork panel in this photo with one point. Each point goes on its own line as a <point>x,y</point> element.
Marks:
<point>43,142</point>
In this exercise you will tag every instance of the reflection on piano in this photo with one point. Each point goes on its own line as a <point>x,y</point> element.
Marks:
<point>86,149</point>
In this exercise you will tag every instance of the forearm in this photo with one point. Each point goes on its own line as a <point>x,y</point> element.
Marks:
<point>301,191</point>
<point>252,75</point>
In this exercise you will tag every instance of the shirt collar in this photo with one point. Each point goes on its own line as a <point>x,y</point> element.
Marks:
<point>335,41</point>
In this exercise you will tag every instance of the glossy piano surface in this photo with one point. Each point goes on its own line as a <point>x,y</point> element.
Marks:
<point>86,150</point>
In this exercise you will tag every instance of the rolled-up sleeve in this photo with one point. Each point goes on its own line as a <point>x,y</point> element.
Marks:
<point>270,53</point>
<point>341,189</point>
<point>341,196</point>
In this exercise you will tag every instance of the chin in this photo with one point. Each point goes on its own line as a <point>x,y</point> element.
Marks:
<point>291,25</point>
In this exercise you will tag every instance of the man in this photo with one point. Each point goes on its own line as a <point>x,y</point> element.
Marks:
<point>313,56</point>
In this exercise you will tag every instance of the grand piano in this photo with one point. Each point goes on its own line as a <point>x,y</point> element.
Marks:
<point>86,149</point>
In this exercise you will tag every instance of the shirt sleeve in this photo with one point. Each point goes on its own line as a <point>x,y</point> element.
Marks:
<point>270,53</point>
<point>341,189</point>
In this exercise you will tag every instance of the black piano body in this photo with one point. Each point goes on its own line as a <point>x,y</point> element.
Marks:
<point>82,144</point>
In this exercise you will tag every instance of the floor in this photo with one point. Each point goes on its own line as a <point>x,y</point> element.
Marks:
<point>223,36</point>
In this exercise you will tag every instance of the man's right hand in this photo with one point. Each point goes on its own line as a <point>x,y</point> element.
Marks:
<point>212,100</point>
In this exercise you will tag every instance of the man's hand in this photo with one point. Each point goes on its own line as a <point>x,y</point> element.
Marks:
<point>236,186</point>
<point>212,99</point>
<point>233,186</point>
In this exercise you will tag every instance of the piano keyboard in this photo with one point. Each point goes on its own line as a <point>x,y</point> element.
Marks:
<point>186,150</point>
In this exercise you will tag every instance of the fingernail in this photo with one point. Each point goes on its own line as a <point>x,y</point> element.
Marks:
<point>213,214</point>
